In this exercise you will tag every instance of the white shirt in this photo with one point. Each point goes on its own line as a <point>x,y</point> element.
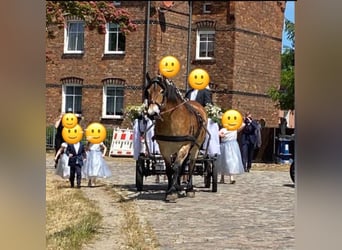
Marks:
<point>77,146</point>
<point>193,95</point>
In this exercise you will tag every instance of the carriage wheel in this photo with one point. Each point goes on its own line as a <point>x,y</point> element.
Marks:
<point>207,176</point>
<point>292,172</point>
<point>214,176</point>
<point>139,177</point>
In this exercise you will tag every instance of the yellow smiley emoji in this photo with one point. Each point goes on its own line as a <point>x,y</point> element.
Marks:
<point>231,119</point>
<point>95,133</point>
<point>69,120</point>
<point>198,79</point>
<point>169,66</point>
<point>72,135</point>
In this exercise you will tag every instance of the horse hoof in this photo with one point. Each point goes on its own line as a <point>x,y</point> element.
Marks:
<point>190,194</point>
<point>171,197</point>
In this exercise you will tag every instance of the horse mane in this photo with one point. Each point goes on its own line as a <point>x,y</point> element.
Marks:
<point>172,92</point>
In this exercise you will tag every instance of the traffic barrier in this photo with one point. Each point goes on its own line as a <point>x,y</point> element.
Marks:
<point>122,143</point>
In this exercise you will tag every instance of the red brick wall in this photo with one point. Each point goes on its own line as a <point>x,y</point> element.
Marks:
<point>247,57</point>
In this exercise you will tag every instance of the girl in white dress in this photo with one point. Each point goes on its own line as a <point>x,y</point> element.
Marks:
<point>95,165</point>
<point>62,169</point>
<point>229,162</point>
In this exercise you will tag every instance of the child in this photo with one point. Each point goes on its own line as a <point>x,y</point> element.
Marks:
<point>63,169</point>
<point>76,153</point>
<point>229,161</point>
<point>95,165</point>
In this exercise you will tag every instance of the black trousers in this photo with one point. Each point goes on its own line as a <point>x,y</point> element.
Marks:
<point>247,154</point>
<point>75,170</point>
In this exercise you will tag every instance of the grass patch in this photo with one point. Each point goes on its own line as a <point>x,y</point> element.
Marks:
<point>138,234</point>
<point>71,219</point>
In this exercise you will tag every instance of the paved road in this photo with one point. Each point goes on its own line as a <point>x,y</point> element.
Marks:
<point>255,213</point>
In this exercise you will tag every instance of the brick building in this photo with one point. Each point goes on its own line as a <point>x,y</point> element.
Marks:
<point>237,43</point>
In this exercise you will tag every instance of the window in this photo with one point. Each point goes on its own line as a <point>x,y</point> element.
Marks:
<point>207,8</point>
<point>113,98</point>
<point>74,37</point>
<point>115,40</point>
<point>205,44</point>
<point>72,98</point>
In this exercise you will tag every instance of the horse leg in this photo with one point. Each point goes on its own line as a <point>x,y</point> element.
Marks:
<point>176,167</point>
<point>173,187</point>
<point>189,187</point>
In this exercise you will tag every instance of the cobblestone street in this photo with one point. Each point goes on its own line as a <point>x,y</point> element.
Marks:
<point>257,212</point>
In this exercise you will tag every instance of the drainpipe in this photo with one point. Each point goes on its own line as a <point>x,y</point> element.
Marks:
<point>147,44</point>
<point>189,47</point>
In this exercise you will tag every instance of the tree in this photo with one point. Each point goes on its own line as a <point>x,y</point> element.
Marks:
<point>95,14</point>
<point>284,95</point>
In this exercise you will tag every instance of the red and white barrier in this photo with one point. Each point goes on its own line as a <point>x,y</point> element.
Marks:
<point>122,143</point>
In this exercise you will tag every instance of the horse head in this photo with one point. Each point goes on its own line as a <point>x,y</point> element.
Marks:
<point>155,94</point>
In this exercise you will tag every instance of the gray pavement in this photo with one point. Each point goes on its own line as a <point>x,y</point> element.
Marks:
<point>257,212</point>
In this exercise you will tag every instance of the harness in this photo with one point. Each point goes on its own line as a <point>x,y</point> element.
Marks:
<point>191,109</point>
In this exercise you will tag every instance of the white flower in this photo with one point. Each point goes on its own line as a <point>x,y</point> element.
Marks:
<point>134,111</point>
<point>214,112</point>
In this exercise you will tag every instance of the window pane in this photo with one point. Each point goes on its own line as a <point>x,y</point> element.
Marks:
<point>114,100</point>
<point>80,42</point>
<point>110,106</point>
<point>112,42</point>
<point>122,42</point>
<point>78,104</point>
<point>68,102</point>
<point>211,37</point>
<point>110,91</point>
<point>119,91</point>
<point>75,36</point>
<point>78,90</point>
<point>119,106</point>
<point>203,37</point>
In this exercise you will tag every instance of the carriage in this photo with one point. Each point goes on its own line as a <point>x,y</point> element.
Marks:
<point>149,161</point>
<point>180,129</point>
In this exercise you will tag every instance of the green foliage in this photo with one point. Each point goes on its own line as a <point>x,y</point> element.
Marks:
<point>284,95</point>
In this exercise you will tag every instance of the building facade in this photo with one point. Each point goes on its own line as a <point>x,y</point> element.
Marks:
<point>99,75</point>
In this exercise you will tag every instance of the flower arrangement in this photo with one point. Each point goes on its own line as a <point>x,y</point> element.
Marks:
<point>214,112</point>
<point>134,111</point>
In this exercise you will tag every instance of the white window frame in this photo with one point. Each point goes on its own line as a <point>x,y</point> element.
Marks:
<point>107,37</point>
<point>206,8</point>
<point>104,102</point>
<point>64,96</point>
<point>198,42</point>
<point>66,37</point>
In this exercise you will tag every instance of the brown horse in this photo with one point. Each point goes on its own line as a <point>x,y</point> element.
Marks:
<point>180,129</point>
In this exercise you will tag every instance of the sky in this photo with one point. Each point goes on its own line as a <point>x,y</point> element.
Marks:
<point>289,14</point>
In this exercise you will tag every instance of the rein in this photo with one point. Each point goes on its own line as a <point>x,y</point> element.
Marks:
<point>172,109</point>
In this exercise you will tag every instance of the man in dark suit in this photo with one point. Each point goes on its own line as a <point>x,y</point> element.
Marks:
<point>77,154</point>
<point>202,96</point>
<point>249,141</point>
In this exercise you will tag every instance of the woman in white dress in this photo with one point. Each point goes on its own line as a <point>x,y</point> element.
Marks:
<point>95,166</point>
<point>62,169</point>
<point>229,162</point>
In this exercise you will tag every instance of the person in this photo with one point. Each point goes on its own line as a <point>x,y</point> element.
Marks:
<point>202,96</point>
<point>229,162</point>
<point>63,168</point>
<point>95,165</point>
<point>248,141</point>
<point>77,154</point>
<point>58,136</point>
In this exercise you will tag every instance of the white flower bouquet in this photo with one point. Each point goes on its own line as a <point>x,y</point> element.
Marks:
<point>214,113</point>
<point>134,111</point>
